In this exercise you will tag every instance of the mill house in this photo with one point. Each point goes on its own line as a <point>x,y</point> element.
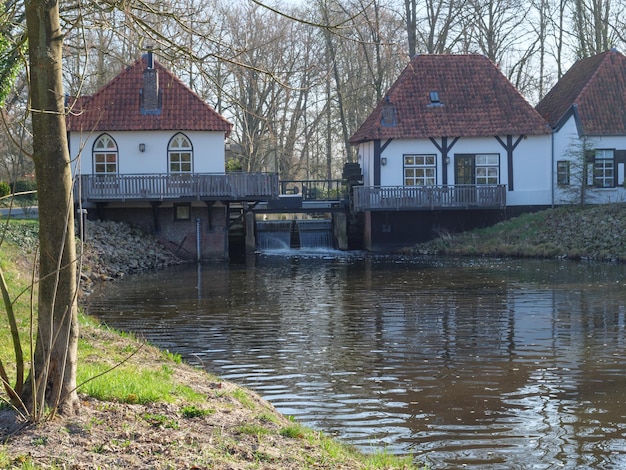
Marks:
<point>452,146</point>
<point>148,151</point>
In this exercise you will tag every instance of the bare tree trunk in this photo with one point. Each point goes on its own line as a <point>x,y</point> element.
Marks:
<point>52,379</point>
<point>331,52</point>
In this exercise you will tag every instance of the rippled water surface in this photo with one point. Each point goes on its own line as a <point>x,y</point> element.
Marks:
<point>464,363</point>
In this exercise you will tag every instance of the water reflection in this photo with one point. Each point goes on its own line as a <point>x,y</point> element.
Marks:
<point>484,363</point>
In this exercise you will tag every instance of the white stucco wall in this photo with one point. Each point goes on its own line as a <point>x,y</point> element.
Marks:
<point>208,151</point>
<point>532,164</point>
<point>366,160</point>
<point>569,146</point>
<point>532,171</point>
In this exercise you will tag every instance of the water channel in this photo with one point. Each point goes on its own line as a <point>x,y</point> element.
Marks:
<point>465,363</point>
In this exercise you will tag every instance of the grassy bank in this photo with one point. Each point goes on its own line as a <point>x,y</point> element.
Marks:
<point>145,408</point>
<point>593,233</point>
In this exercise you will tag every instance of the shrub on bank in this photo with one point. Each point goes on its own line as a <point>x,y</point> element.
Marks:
<point>5,189</point>
<point>592,232</point>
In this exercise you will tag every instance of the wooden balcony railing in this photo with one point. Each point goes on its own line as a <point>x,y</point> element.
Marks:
<point>228,186</point>
<point>379,198</point>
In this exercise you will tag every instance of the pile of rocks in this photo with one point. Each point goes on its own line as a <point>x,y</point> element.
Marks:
<point>111,250</point>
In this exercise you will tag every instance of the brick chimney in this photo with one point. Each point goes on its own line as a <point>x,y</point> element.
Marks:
<point>150,93</point>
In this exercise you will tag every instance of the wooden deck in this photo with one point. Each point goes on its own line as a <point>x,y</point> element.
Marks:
<point>403,198</point>
<point>263,187</point>
<point>225,186</point>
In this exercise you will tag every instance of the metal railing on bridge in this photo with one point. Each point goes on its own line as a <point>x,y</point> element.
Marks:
<point>229,186</point>
<point>315,190</point>
<point>396,198</point>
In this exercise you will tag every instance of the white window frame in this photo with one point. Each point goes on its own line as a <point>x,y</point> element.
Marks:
<point>604,168</point>
<point>487,168</point>
<point>180,155</point>
<point>105,156</point>
<point>420,170</point>
<point>563,172</point>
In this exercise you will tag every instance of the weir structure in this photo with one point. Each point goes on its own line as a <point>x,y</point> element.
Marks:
<point>222,216</point>
<point>307,214</point>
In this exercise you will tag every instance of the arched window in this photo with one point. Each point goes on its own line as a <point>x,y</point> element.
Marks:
<point>180,154</point>
<point>105,155</point>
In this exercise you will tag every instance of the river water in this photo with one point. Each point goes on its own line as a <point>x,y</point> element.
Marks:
<point>465,363</point>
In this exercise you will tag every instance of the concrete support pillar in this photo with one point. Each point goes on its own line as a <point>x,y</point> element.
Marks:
<point>367,231</point>
<point>340,230</point>
<point>249,229</point>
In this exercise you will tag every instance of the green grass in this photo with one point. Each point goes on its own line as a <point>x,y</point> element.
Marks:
<point>23,462</point>
<point>158,421</point>
<point>132,384</point>
<point>593,232</point>
<point>192,411</point>
<point>253,429</point>
<point>268,418</point>
<point>21,232</point>
<point>242,396</point>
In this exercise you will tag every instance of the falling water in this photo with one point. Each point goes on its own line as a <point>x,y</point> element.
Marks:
<point>315,233</point>
<point>285,234</point>
<point>273,234</point>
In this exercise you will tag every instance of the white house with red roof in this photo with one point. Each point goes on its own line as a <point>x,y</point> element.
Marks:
<point>146,120</point>
<point>451,145</point>
<point>147,150</point>
<point>586,110</point>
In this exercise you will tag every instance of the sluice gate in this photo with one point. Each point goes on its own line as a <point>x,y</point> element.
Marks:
<point>293,234</point>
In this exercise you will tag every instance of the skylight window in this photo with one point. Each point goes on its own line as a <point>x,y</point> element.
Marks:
<point>435,100</point>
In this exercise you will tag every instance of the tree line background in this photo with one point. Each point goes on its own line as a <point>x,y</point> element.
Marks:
<point>298,78</point>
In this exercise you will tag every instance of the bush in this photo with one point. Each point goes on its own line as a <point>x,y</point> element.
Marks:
<point>24,186</point>
<point>5,189</point>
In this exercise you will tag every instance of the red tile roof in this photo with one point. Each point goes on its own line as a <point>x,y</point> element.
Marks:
<point>476,100</point>
<point>116,107</point>
<point>595,89</point>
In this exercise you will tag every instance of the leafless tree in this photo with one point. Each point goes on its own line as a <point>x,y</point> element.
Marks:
<point>591,21</point>
<point>433,26</point>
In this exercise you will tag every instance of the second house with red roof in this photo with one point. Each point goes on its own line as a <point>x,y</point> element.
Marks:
<point>454,146</point>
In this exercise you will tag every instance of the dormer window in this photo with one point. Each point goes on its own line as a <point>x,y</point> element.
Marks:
<point>388,118</point>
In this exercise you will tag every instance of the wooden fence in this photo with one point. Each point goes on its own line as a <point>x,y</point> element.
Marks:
<point>229,186</point>
<point>396,198</point>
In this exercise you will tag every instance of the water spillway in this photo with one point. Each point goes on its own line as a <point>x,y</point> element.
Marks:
<point>315,233</point>
<point>273,234</point>
<point>293,234</point>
